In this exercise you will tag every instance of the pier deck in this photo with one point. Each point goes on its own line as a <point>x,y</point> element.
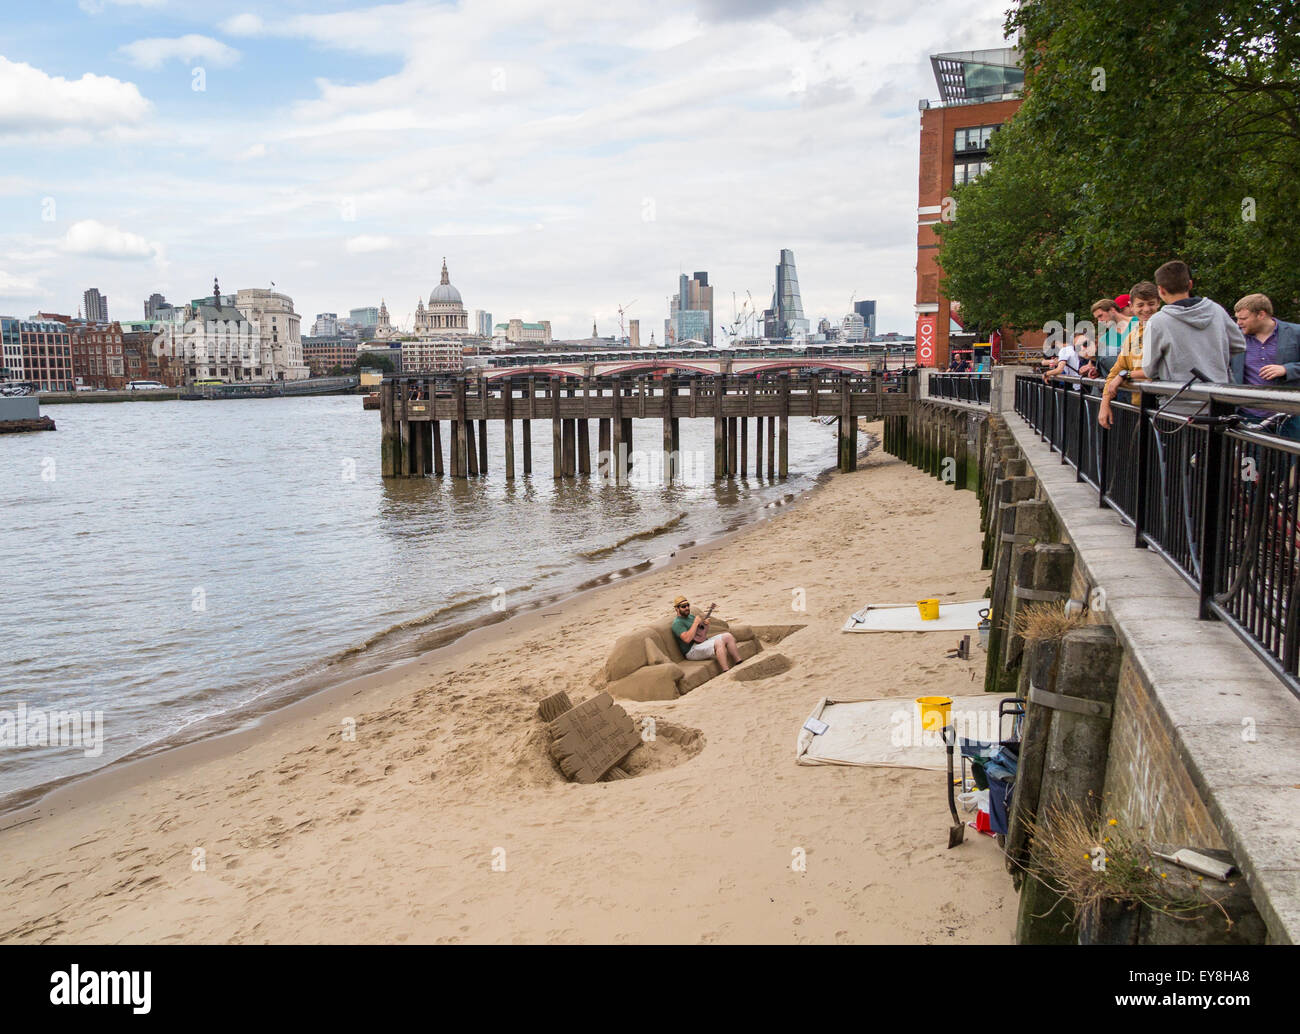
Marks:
<point>412,409</point>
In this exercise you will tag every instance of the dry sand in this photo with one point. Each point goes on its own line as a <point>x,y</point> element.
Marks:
<point>307,837</point>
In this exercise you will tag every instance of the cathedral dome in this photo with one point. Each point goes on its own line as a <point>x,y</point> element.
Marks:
<point>444,292</point>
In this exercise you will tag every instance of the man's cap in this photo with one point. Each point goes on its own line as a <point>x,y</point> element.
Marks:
<point>1123,300</point>
<point>679,601</point>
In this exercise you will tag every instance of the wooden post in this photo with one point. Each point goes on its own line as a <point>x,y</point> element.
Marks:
<point>437,448</point>
<point>848,430</point>
<point>744,444</point>
<point>471,453</point>
<point>758,447</point>
<point>528,446</point>
<point>390,443</point>
<point>482,442</point>
<point>771,448</point>
<point>731,446</point>
<point>719,434</point>
<point>408,466</point>
<point>625,457</point>
<point>421,458</point>
<point>604,464</point>
<point>569,446</point>
<point>459,466</point>
<point>784,463</point>
<point>616,426</point>
<point>557,432</point>
<point>584,447</point>
<point>667,385</point>
<point>508,402</point>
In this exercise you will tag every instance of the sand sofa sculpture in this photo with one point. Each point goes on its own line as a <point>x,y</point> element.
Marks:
<point>646,665</point>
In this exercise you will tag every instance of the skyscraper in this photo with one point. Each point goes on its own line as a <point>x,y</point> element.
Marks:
<point>482,323</point>
<point>785,318</point>
<point>153,304</point>
<point>367,316</point>
<point>867,310</point>
<point>691,309</point>
<point>96,306</point>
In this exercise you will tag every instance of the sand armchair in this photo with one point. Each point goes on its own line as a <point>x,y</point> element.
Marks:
<point>646,664</point>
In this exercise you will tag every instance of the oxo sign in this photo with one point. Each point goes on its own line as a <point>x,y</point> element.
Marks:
<point>925,324</point>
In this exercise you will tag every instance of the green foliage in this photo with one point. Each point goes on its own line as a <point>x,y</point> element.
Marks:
<point>1146,132</point>
<point>372,361</point>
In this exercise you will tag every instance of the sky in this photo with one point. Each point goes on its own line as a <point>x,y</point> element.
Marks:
<point>567,158</point>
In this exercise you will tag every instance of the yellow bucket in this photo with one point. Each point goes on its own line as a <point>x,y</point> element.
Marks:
<point>934,712</point>
<point>929,609</point>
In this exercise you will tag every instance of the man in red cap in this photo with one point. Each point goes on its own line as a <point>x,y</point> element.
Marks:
<point>1125,304</point>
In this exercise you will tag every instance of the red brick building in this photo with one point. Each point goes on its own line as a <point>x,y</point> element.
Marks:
<point>979,90</point>
<point>97,358</point>
<point>322,354</point>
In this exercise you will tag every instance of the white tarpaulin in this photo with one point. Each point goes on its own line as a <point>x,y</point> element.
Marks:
<point>904,617</point>
<point>888,732</point>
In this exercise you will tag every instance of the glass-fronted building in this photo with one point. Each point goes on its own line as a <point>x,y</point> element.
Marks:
<point>39,351</point>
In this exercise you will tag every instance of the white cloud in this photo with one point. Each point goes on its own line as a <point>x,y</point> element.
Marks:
<point>369,242</point>
<point>152,53</point>
<point>255,151</point>
<point>98,240</point>
<point>32,100</point>
<point>18,286</point>
<point>243,25</point>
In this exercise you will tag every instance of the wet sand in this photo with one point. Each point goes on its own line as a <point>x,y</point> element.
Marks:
<point>445,820</point>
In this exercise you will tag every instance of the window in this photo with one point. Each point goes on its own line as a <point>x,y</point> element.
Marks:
<point>972,138</point>
<point>968,171</point>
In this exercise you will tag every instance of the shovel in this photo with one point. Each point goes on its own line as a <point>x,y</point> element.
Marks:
<point>957,832</point>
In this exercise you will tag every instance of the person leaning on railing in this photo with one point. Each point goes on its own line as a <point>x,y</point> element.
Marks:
<point>1145,300</point>
<point>1272,353</point>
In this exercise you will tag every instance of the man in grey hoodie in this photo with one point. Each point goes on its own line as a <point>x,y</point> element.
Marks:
<point>1190,332</point>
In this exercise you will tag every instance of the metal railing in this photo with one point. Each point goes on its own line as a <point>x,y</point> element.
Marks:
<point>961,387</point>
<point>1217,499</point>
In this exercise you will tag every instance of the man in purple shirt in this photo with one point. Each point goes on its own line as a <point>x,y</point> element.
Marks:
<point>1272,352</point>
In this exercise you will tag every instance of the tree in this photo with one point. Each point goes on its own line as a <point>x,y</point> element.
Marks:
<point>372,361</point>
<point>1148,132</point>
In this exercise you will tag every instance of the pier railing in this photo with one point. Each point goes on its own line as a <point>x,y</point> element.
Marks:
<point>1201,486</point>
<point>961,387</point>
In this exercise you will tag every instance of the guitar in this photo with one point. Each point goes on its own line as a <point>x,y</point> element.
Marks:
<point>700,633</point>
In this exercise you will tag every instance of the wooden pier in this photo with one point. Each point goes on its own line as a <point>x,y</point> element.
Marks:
<point>414,409</point>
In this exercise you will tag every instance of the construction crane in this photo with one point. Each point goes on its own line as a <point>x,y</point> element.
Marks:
<point>622,311</point>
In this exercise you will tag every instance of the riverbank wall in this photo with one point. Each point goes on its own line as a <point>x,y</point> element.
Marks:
<point>1165,730</point>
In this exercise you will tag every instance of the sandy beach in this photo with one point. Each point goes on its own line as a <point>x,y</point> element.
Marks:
<point>445,819</point>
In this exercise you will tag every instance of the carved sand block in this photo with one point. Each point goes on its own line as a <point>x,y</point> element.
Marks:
<point>592,738</point>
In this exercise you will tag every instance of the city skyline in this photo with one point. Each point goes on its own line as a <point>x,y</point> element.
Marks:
<point>542,150</point>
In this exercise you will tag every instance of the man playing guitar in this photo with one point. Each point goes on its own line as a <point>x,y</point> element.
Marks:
<point>692,634</point>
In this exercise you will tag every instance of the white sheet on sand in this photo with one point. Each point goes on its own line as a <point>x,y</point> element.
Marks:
<point>887,733</point>
<point>904,617</point>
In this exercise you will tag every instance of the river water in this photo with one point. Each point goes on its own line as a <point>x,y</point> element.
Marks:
<point>176,563</point>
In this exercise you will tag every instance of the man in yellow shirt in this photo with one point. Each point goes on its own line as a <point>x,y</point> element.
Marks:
<point>1145,300</point>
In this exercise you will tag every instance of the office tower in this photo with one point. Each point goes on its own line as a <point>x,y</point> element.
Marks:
<point>785,318</point>
<point>96,306</point>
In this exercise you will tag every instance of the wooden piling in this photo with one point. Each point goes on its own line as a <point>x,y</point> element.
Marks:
<point>758,447</point>
<point>668,429</point>
<point>569,446</point>
<point>616,447</point>
<point>471,453</point>
<point>625,457</point>
<point>784,434</point>
<point>407,464</point>
<point>731,446</point>
<point>771,448</point>
<point>584,447</point>
<point>743,468</point>
<point>437,448</point>
<point>604,461</point>
<point>557,432</point>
